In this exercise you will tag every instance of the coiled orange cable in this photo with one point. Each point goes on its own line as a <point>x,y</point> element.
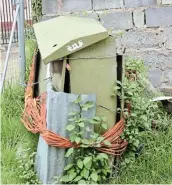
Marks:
<point>34,119</point>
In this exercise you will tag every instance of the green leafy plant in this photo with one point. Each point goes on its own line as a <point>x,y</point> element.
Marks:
<point>144,115</point>
<point>36,10</point>
<point>89,166</point>
<point>26,167</point>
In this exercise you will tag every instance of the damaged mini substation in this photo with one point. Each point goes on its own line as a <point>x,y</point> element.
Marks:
<point>76,65</point>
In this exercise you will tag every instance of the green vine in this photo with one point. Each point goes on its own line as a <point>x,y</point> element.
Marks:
<point>36,10</point>
<point>145,115</point>
<point>141,115</point>
<point>89,166</point>
<point>26,167</point>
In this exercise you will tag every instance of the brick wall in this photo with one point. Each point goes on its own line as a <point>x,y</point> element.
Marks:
<point>142,28</point>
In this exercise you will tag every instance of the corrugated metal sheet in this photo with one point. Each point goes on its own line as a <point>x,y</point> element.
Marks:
<point>50,161</point>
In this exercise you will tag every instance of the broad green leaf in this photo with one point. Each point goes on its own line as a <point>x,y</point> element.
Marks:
<point>118,93</point>
<point>88,162</point>
<point>84,146</point>
<point>94,121</point>
<point>116,88</point>
<point>118,82</point>
<point>77,178</point>
<point>85,141</point>
<point>106,142</point>
<point>70,127</point>
<point>72,138</point>
<point>143,117</point>
<point>82,182</point>
<point>89,104</point>
<point>96,118</point>
<point>68,167</point>
<point>81,124</point>
<point>80,163</point>
<point>69,152</point>
<point>136,143</point>
<point>94,176</point>
<point>99,139</point>
<point>104,126</point>
<point>72,176</point>
<point>130,93</point>
<point>77,139</point>
<point>146,124</point>
<point>133,114</point>
<point>80,120</point>
<point>85,108</point>
<point>78,100</point>
<point>102,156</point>
<point>95,135</point>
<point>65,178</point>
<point>127,161</point>
<point>85,173</point>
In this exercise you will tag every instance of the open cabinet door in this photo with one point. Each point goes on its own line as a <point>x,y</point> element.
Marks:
<point>58,71</point>
<point>94,70</point>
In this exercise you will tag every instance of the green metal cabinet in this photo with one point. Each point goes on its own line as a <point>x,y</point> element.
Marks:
<point>85,45</point>
<point>94,70</point>
<point>61,36</point>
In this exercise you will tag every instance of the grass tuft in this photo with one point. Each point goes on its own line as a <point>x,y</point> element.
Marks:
<point>14,136</point>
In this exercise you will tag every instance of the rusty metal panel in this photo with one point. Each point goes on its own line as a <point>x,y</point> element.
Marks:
<point>94,70</point>
<point>50,160</point>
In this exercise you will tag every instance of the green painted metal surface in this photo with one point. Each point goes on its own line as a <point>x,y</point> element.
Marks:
<point>41,76</point>
<point>96,75</point>
<point>61,36</point>
<point>58,69</point>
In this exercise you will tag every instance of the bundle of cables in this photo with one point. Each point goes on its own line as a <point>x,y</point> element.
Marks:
<point>34,119</point>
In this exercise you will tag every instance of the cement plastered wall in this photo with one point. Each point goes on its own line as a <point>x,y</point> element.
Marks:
<point>143,29</point>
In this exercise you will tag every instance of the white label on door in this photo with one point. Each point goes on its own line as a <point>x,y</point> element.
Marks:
<point>75,46</point>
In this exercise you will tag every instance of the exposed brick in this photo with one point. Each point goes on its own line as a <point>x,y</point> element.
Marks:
<point>139,39</point>
<point>168,38</point>
<point>89,14</point>
<point>167,77</point>
<point>138,17</point>
<point>76,5</point>
<point>159,16</point>
<point>155,76</point>
<point>139,3</point>
<point>159,2</point>
<point>166,2</point>
<point>49,7</point>
<point>157,60</point>
<point>107,4</point>
<point>117,20</point>
<point>166,89</point>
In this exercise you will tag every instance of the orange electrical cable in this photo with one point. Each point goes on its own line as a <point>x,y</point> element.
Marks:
<point>34,119</point>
